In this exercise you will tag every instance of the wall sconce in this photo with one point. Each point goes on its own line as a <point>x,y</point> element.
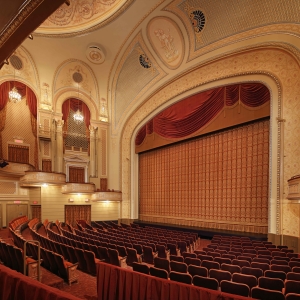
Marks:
<point>86,200</point>
<point>71,200</point>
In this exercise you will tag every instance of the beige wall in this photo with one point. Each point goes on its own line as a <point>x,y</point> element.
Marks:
<point>53,205</point>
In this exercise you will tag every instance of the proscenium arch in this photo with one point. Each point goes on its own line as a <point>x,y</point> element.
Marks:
<point>273,85</point>
<point>229,67</point>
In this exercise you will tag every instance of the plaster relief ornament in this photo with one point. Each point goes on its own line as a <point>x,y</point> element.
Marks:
<point>167,43</point>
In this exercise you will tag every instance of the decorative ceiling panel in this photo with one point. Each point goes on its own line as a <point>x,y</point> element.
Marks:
<point>82,16</point>
<point>166,38</point>
<point>211,23</point>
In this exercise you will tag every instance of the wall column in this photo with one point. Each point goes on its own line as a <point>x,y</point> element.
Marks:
<point>93,136</point>
<point>59,146</point>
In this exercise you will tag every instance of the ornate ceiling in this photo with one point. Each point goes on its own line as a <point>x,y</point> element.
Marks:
<point>81,17</point>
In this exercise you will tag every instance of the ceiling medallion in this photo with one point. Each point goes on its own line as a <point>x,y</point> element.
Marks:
<point>95,54</point>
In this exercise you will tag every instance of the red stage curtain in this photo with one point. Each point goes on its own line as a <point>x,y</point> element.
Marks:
<point>189,115</point>
<point>217,181</point>
<point>114,283</point>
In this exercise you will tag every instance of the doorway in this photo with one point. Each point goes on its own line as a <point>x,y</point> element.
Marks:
<point>15,210</point>
<point>77,212</point>
<point>36,212</point>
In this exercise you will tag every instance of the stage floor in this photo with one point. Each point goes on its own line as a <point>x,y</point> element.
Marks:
<point>206,233</point>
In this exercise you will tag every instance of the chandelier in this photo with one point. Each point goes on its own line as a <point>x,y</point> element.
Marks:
<point>78,117</point>
<point>14,96</point>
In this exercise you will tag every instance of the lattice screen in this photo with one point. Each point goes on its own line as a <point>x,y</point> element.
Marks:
<point>7,187</point>
<point>76,135</point>
<point>217,181</point>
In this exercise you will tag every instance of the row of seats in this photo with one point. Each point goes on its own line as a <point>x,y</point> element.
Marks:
<point>239,284</point>
<point>183,242</point>
<point>16,223</point>
<point>12,257</point>
<point>115,254</point>
<point>51,260</point>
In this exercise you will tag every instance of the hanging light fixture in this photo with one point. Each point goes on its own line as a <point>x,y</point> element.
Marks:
<point>78,117</point>
<point>14,96</point>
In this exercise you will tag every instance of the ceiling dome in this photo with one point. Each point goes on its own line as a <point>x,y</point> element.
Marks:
<point>82,17</point>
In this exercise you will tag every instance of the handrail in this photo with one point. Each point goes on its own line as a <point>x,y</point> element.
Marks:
<point>39,258</point>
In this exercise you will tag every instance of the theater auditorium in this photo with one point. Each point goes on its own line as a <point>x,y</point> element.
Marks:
<point>149,149</point>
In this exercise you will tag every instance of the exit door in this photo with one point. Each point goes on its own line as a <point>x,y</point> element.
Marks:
<point>14,211</point>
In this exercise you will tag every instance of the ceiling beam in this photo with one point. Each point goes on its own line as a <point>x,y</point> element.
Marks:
<point>19,18</point>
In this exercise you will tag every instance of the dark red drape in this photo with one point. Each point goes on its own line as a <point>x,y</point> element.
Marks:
<point>189,115</point>
<point>75,104</point>
<point>4,90</point>
<point>31,102</point>
<point>14,285</point>
<point>115,283</point>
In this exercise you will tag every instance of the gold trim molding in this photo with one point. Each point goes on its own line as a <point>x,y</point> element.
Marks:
<point>38,178</point>
<point>107,196</point>
<point>78,188</point>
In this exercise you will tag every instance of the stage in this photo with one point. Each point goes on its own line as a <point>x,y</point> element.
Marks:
<point>205,233</point>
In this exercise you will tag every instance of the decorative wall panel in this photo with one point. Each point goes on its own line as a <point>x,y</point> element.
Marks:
<point>8,188</point>
<point>216,181</point>
<point>104,153</point>
<point>18,125</point>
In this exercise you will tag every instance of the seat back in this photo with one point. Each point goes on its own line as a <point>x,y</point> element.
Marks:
<point>196,270</point>
<point>257,272</point>
<point>114,257</point>
<point>293,276</point>
<point>103,253</point>
<point>285,269</point>
<point>161,251</point>
<point>262,266</point>
<point>181,277</point>
<point>235,288</point>
<point>176,258</point>
<point>148,255</point>
<point>274,284</point>
<point>261,293</point>
<point>206,282</point>
<point>292,296</point>
<point>162,263</point>
<point>141,268</point>
<point>249,280</point>
<point>292,286</point>
<point>275,274</point>
<point>132,256</point>
<point>222,260</point>
<point>231,268</point>
<point>220,275</point>
<point>90,257</point>
<point>210,264</point>
<point>160,273</point>
<point>192,261</point>
<point>241,263</point>
<point>178,266</point>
